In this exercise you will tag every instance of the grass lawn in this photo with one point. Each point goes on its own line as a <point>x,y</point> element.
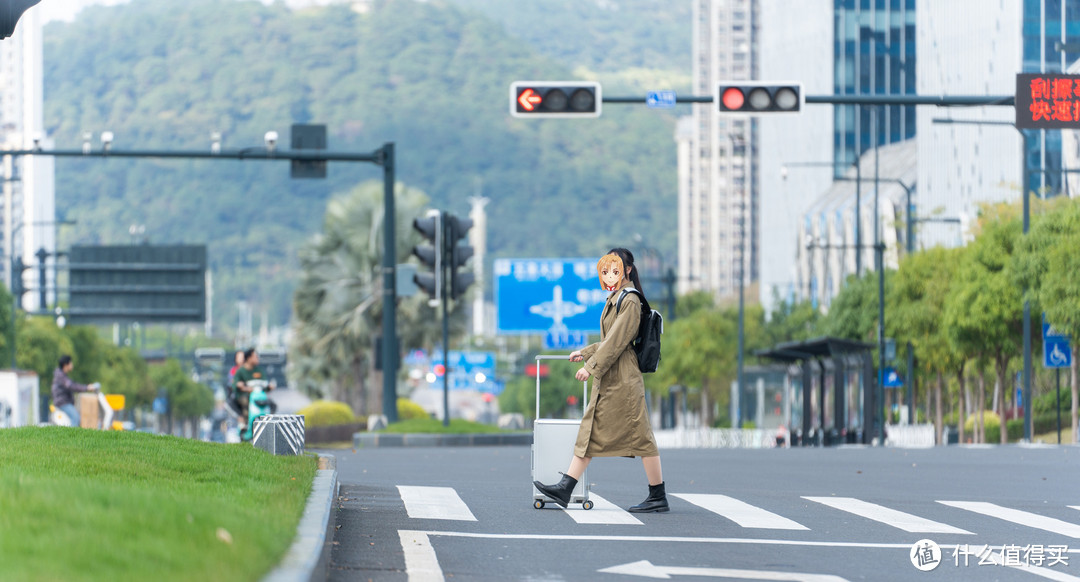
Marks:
<point>434,425</point>
<point>1051,438</point>
<point>80,504</point>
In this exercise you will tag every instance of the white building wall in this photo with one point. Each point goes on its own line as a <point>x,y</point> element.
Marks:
<point>963,165</point>
<point>796,43</point>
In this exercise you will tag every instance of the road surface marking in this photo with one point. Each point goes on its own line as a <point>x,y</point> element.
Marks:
<point>603,512</point>
<point>434,503</point>
<point>1020,517</point>
<point>897,519</point>
<point>646,569</point>
<point>740,512</point>
<point>421,563</point>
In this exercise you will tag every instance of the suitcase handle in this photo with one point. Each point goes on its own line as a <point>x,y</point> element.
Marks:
<point>565,358</point>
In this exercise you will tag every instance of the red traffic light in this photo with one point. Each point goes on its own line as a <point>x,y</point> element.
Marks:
<point>555,99</point>
<point>753,97</point>
<point>571,400</point>
<point>439,369</point>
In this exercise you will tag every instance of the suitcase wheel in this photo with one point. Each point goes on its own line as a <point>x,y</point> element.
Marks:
<point>587,504</point>
<point>538,504</point>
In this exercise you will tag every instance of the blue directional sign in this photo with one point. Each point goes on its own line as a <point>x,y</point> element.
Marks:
<point>660,99</point>
<point>892,378</point>
<point>567,340</point>
<point>1057,352</point>
<point>537,296</point>
<point>470,371</point>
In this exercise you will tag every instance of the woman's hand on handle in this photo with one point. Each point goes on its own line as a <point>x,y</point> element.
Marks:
<point>576,356</point>
<point>582,375</point>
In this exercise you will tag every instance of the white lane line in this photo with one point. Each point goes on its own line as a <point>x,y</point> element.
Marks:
<point>898,519</point>
<point>1076,507</point>
<point>647,569</point>
<point>421,563</point>
<point>1019,517</point>
<point>434,503</point>
<point>603,512</point>
<point>1056,575</point>
<point>740,512</point>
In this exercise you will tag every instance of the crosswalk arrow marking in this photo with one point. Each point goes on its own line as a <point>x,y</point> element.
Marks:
<point>647,569</point>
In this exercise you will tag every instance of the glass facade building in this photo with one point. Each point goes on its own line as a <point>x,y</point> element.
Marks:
<point>874,50</point>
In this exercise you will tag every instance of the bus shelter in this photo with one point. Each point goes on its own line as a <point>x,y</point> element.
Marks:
<point>834,380</point>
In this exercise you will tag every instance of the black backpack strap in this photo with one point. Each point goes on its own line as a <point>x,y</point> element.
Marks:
<point>623,293</point>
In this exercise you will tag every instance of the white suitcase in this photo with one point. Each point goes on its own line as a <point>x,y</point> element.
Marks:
<point>553,447</point>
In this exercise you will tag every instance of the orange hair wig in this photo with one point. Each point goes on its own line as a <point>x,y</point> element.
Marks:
<point>610,259</point>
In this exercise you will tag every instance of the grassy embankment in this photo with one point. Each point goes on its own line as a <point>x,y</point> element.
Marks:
<point>80,504</point>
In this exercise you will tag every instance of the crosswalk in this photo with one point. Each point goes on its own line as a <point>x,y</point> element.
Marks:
<point>444,503</point>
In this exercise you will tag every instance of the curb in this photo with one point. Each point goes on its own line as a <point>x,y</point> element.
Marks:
<point>309,555</point>
<point>375,439</point>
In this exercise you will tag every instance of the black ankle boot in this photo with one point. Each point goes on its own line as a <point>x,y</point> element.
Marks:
<point>561,492</point>
<point>656,502</point>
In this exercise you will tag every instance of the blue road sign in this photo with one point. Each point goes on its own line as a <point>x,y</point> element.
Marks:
<point>567,340</point>
<point>1057,351</point>
<point>470,371</point>
<point>660,99</point>
<point>537,296</point>
<point>892,378</point>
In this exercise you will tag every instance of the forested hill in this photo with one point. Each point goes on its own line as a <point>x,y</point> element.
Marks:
<point>432,77</point>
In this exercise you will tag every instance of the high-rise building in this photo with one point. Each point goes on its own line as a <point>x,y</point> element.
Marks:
<point>717,191</point>
<point>28,207</point>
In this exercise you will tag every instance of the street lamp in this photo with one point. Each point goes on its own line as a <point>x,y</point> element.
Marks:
<point>858,199</point>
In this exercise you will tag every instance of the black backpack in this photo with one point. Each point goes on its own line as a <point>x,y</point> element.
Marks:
<point>647,343</point>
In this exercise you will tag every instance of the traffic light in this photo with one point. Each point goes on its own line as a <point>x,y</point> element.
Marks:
<point>10,11</point>
<point>458,254</point>
<point>18,286</point>
<point>430,254</point>
<point>555,99</point>
<point>751,97</point>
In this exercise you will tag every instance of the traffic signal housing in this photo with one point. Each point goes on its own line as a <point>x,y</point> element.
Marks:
<point>430,253</point>
<point>753,98</point>
<point>457,254</point>
<point>566,99</point>
<point>10,12</point>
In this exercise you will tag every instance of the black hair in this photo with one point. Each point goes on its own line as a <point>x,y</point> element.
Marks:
<point>248,353</point>
<point>628,264</point>
<point>64,360</point>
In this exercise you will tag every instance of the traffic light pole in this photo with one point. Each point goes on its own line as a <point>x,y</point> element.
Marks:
<point>383,156</point>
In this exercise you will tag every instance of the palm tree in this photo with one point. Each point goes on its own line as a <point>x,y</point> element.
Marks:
<point>338,302</point>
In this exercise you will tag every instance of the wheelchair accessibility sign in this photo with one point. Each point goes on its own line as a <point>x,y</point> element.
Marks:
<point>1057,353</point>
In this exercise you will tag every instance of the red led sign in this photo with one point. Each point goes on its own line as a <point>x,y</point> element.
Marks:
<point>1047,101</point>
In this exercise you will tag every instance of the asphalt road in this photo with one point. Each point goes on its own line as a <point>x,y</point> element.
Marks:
<point>817,515</point>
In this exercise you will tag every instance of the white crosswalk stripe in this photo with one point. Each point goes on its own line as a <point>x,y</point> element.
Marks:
<point>898,519</point>
<point>1025,518</point>
<point>603,512</point>
<point>740,512</point>
<point>434,503</point>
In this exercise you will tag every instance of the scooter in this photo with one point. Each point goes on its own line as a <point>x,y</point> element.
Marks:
<point>258,405</point>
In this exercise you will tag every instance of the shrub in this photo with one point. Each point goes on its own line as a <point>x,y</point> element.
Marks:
<point>991,420</point>
<point>327,413</point>
<point>409,410</point>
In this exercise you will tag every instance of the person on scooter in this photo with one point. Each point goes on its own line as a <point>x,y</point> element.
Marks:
<point>63,388</point>
<point>244,375</point>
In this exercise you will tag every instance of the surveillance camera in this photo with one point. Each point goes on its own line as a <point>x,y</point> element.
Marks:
<point>271,139</point>
<point>215,142</point>
<point>106,137</point>
<point>783,172</point>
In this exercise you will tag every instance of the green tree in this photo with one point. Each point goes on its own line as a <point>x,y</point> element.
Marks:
<point>338,302</point>
<point>984,310</point>
<point>188,399</point>
<point>1046,263</point>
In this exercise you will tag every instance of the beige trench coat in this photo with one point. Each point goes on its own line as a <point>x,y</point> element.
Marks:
<point>616,422</point>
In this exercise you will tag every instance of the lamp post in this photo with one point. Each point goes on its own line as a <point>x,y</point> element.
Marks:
<point>737,141</point>
<point>858,200</point>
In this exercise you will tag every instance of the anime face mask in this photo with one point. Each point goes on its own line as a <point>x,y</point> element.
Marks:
<point>610,269</point>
